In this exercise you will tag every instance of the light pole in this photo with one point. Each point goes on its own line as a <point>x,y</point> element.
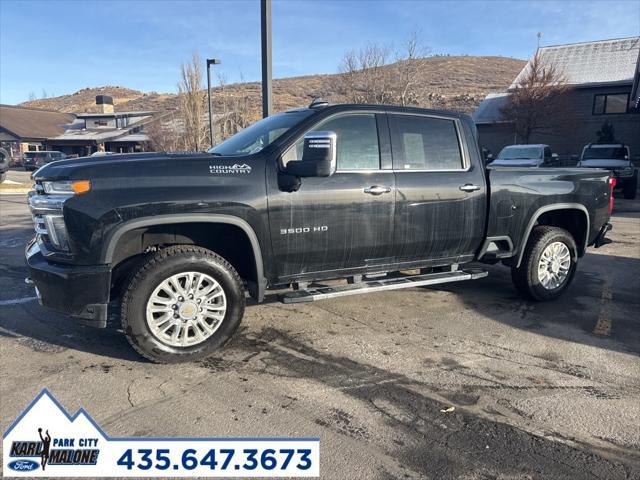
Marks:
<point>210,61</point>
<point>265,36</point>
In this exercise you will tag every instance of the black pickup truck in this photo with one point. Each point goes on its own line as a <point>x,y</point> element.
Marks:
<point>379,197</point>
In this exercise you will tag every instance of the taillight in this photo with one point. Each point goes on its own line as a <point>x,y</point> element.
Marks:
<point>612,184</point>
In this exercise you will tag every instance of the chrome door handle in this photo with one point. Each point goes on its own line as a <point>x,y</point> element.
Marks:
<point>469,188</point>
<point>377,190</point>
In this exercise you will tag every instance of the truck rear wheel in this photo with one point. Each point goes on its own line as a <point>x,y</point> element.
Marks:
<point>182,304</point>
<point>548,264</point>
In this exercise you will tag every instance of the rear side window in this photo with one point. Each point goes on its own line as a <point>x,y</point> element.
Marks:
<point>425,143</point>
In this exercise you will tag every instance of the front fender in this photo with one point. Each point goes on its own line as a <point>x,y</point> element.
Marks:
<point>111,242</point>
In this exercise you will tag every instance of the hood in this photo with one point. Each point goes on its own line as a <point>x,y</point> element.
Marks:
<point>525,162</point>
<point>119,165</point>
<point>605,163</point>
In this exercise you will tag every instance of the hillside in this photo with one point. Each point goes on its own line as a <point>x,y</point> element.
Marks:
<point>457,83</point>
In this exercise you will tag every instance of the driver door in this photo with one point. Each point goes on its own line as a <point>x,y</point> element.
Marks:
<point>336,224</point>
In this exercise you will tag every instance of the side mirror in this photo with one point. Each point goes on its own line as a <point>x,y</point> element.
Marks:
<point>489,158</point>
<point>318,156</point>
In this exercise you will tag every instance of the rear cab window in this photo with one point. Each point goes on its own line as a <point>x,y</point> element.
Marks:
<point>425,143</point>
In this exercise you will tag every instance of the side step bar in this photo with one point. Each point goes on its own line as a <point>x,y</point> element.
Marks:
<point>321,293</point>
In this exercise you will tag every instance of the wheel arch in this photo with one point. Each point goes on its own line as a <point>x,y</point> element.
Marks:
<point>560,215</point>
<point>255,280</point>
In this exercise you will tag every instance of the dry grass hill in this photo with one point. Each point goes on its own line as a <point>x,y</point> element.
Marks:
<point>456,83</point>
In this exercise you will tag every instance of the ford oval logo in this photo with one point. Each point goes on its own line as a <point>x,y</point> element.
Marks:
<point>23,465</point>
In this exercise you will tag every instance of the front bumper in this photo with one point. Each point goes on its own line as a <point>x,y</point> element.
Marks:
<point>79,291</point>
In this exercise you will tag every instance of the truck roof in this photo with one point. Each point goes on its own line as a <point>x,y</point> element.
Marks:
<point>389,108</point>
<point>528,145</point>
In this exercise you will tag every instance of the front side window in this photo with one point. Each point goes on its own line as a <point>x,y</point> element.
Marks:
<point>610,103</point>
<point>261,134</point>
<point>426,143</point>
<point>357,142</point>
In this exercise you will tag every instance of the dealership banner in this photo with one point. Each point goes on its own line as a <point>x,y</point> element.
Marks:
<point>45,441</point>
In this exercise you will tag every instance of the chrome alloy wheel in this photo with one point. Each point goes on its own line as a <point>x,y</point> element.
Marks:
<point>186,309</point>
<point>554,265</point>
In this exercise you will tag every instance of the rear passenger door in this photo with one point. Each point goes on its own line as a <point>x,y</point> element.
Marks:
<point>440,194</point>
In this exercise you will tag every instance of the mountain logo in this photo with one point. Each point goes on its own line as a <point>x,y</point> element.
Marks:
<point>47,441</point>
<point>233,169</point>
<point>63,442</point>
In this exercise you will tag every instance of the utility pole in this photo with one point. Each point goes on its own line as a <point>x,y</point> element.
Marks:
<point>265,35</point>
<point>210,61</point>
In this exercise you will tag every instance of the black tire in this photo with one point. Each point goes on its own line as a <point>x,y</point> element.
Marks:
<point>3,176</point>
<point>151,273</point>
<point>525,278</point>
<point>630,188</point>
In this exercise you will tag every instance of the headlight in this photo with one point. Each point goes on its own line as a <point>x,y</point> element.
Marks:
<point>67,187</point>
<point>57,231</point>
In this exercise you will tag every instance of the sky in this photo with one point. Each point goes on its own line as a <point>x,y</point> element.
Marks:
<point>58,47</point>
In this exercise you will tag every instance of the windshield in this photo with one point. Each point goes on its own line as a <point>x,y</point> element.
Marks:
<point>604,153</point>
<point>256,137</point>
<point>520,153</point>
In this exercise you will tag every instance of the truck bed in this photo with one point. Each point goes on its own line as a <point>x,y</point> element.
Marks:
<point>519,196</point>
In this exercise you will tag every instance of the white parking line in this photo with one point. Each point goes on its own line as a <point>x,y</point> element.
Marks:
<point>17,301</point>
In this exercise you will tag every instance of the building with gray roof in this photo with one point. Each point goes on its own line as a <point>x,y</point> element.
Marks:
<point>603,77</point>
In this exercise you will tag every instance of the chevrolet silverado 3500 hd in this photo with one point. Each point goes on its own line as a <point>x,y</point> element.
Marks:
<point>354,192</point>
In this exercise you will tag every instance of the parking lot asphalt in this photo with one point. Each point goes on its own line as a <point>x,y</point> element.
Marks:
<point>540,390</point>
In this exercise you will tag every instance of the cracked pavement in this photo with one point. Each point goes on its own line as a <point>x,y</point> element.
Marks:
<point>540,390</point>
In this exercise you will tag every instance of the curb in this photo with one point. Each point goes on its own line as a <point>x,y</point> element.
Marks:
<point>15,191</point>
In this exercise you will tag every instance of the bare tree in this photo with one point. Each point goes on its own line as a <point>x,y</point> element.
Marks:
<point>538,102</point>
<point>364,79</point>
<point>164,133</point>
<point>409,63</point>
<point>222,95</point>
<point>192,105</point>
<point>235,107</point>
<point>368,76</point>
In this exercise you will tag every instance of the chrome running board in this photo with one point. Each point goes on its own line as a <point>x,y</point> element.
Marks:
<point>396,283</point>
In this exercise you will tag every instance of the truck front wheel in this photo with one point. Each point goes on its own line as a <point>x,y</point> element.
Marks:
<point>182,304</point>
<point>548,264</point>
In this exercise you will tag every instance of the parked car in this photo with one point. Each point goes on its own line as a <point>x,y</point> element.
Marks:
<point>4,164</point>
<point>353,192</point>
<point>526,156</point>
<point>34,160</point>
<point>617,158</point>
